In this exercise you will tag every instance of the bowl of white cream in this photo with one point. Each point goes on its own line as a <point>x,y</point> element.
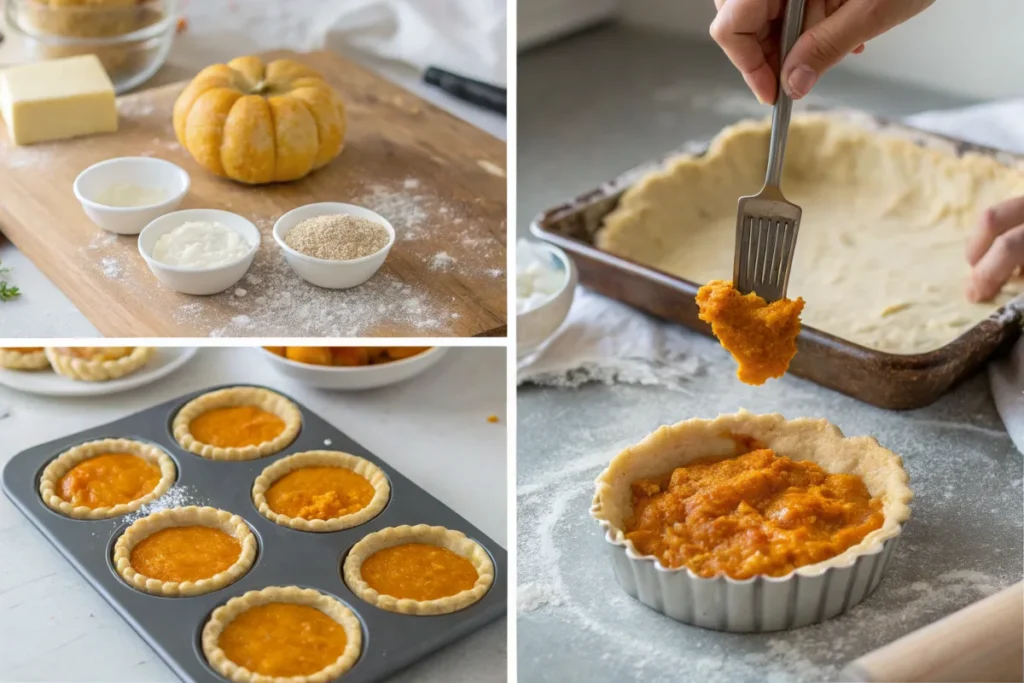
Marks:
<point>124,195</point>
<point>199,251</point>
<point>545,286</point>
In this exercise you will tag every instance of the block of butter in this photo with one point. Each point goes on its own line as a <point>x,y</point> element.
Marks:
<point>57,99</point>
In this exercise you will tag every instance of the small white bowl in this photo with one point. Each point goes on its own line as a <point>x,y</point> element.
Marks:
<point>143,171</point>
<point>199,281</point>
<point>535,326</point>
<point>357,378</point>
<point>332,274</point>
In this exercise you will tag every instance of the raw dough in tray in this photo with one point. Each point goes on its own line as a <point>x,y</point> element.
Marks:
<point>880,256</point>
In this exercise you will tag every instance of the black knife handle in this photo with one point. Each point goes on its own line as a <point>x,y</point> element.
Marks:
<point>481,94</point>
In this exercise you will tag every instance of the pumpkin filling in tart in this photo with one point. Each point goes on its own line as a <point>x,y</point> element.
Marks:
<point>23,349</point>
<point>283,640</point>
<point>320,493</point>
<point>760,336</point>
<point>185,553</point>
<point>418,571</point>
<point>108,479</point>
<point>758,513</point>
<point>236,426</point>
<point>97,353</point>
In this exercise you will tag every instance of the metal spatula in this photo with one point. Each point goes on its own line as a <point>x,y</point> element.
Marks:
<point>767,224</point>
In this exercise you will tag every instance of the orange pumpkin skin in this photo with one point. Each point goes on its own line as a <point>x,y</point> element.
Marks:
<point>260,123</point>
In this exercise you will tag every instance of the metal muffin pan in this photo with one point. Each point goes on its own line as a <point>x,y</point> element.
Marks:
<point>172,626</point>
<point>887,380</point>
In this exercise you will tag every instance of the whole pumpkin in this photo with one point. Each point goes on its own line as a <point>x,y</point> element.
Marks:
<point>258,123</point>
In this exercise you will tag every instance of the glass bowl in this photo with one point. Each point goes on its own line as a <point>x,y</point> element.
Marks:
<point>131,38</point>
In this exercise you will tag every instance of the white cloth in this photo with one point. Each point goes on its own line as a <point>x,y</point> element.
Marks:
<point>607,341</point>
<point>397,38</point>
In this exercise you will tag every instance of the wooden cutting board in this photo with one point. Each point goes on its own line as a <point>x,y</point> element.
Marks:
<point>440,181</point>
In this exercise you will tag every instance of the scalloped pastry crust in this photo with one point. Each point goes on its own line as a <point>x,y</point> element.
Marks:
<point>332,607</point>
<point>237,396</point>
<point>455,541</point>
<point>21,360</point>
<point>360,466</point>
<point>232,525</point>
<point>86,370</point>
<point>817,441</point>
<point>82,452</point>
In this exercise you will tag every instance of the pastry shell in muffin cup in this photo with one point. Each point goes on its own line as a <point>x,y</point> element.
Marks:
<point>332,607</point>
<point>24,360</point>
<point>264,399</point>
<point>455,541</point>
<point>364,468</point>
<point>87,370</point>
<point>75,455</point>
<point>810,594</point>
<point>232,525</point>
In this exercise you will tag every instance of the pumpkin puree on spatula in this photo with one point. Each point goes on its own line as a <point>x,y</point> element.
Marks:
<point>760,336</point>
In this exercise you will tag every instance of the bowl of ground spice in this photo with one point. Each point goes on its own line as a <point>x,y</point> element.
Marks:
<point>334,245</point>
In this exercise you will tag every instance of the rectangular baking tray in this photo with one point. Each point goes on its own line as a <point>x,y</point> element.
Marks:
<point>172,626</point>
<point>886,380</point>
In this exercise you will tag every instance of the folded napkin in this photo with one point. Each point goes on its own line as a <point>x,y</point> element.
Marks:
<point>607,341</point>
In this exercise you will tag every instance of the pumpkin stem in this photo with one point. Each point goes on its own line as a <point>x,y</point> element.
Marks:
<point>261,88</point>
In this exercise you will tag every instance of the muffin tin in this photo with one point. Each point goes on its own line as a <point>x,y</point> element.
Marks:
<point>173,626</point>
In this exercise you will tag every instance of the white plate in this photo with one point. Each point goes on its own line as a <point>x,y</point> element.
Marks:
<point>49,383</point>
<point>355,379</point>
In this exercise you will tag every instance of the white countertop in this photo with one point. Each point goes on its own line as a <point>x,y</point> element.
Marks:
<point>55,627</point>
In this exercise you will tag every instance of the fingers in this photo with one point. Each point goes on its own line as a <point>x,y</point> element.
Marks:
<point>824,44</point>
<point>997,265</point>
<point>738,29</point>
<point>995,221</point>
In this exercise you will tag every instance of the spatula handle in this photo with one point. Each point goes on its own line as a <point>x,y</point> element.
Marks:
<point>792,27</point>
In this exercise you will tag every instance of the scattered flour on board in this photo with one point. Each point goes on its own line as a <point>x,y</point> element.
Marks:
<point>441,261</point>
<point>134,107</point>
<point>111,267</point>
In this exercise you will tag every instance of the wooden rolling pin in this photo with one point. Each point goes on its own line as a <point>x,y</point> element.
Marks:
<point>982,642</point>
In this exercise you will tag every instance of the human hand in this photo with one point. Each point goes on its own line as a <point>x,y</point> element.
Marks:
<point>995,249</point>
<point>749,32</point>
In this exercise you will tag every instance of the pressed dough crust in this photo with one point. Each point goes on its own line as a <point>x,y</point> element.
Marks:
<point>87,370</point>
<point>223,615</point>
<point>454,541</point>
<point>880,257</point>
<point>366,469</point>
<point>817,441</point>
<point>21,360</point>
<point>82,452</point>
<point>232,525</point>
<point>237,396</point>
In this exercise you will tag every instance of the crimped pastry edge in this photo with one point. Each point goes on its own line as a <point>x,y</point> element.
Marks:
<point>815,440</point>
<point>322,458</point>
<point>332,607</point>
<point>98,370</point>
<point>192,515</point>
<point>20,360</point>
<point>237,396</point>
<point>455,541</point>
<point>60,465</point>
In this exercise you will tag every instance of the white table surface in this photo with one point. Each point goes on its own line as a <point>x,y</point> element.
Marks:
<point>434,429</point>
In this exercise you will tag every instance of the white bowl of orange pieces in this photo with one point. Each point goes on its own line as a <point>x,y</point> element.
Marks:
<point>351,368</point>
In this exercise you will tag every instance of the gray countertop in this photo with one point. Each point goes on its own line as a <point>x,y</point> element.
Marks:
<point>591,107</point>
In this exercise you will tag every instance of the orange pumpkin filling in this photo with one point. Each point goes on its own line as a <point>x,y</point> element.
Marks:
<point>760,336</point>
<point>107,480</point>
<point>755,514</point>
<point>236,427</point>
<point>98,353</point>
<point>320,493</point>
<point>185,553</point>
<point>283,640</point>
<point>418,571</point>
<point>25,349</point>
